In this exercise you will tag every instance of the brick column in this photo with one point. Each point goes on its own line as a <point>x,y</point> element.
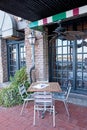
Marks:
<point>3,61</point>
<point>41,56</point>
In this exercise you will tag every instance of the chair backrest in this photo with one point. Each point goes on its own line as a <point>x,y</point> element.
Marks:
<point>64,94</point>
<point>43,99</point>
<point>68,92</point>
<point>22,90</point>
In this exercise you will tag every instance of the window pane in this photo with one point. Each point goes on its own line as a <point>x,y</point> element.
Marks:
<point>65,50</point>
<point>79,57</point>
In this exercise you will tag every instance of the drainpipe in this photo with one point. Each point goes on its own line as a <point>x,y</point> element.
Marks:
<point>33,63</point>
<point>32,42</point>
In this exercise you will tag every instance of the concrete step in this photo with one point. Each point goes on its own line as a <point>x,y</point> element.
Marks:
<point>5,84</point>
<point>78,99</point>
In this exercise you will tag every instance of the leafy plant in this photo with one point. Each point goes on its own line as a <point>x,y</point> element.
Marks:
<point>10,96</point>
<point>19,77</point>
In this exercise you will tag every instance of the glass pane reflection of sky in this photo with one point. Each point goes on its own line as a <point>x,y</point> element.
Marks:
<point>63,47</point>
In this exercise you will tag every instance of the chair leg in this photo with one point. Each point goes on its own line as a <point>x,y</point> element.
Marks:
<point>22,108</point>
<point>53,116</point>
<point>66,108</point>
<point>26,103</point>
<point>34,115</point>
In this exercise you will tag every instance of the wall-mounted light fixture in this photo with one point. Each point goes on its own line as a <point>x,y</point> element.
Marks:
<point>32,38</point>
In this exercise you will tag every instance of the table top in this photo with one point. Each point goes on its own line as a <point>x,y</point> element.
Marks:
<point>46,86</point>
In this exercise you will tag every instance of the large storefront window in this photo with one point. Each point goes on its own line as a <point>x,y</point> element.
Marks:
<point>62,65</point>
<point>16,56</point>
<point>68,61</point>
<point>81,65</point>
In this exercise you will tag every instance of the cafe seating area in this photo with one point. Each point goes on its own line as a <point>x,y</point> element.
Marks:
<point>10,118</point>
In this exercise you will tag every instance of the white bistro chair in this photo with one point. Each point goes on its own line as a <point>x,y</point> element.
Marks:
<point>25,96</point>
<point>63,96</point>
<point>43,101</point>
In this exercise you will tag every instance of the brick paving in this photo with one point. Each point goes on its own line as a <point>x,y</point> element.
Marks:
<point>10,118</point>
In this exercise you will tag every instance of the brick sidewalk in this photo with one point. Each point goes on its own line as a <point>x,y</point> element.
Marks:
<point>10,118</point>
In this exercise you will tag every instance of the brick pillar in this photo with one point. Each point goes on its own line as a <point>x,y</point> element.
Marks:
<point>41,56</point>
<point>3,61</point>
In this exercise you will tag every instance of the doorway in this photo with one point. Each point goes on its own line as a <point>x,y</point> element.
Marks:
<point>16,56</point>
<point>68,61</point>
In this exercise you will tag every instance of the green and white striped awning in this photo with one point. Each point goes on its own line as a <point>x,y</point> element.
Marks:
<point>64,15</point>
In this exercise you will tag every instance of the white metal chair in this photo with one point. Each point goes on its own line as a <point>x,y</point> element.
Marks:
<point>25,96</point>
<point>63,96</point>
<point>43,101</point>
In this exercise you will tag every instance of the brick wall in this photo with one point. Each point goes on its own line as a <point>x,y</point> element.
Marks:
<point>41,56</point>
<point>3,61</point>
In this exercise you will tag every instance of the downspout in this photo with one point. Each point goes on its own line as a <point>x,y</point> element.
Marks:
<point>33,63</point>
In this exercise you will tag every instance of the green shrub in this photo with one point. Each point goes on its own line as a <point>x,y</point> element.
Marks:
<point>19,77</point>
<point>10,96</point>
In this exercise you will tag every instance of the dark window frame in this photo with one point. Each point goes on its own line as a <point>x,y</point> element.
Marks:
<point>11,44</point>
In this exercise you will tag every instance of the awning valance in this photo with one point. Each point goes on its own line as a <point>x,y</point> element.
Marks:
<point>64,15</point>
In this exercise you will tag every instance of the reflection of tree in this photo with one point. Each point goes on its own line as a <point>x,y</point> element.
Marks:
<point>86,61</point>
<point>83,43</point>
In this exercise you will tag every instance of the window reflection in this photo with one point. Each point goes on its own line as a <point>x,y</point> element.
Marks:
<point>65,50</point>
<point>65,43</point>
<point>79,57</point>
<point>79,50</point>
<point>79,46</point>
<point>84,56</point>
<point>59,50</point>
<point>58,42</point>
<point>65,58</point>
<point>85,49</point>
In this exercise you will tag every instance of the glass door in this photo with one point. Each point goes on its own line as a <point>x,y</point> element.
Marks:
<point>61,62</point>
<point>68,62</point>
<point>16,56</point>
<point>12,56</point>
<point>68,59</point>
<point>81,68</point>
<point>22,57</point>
